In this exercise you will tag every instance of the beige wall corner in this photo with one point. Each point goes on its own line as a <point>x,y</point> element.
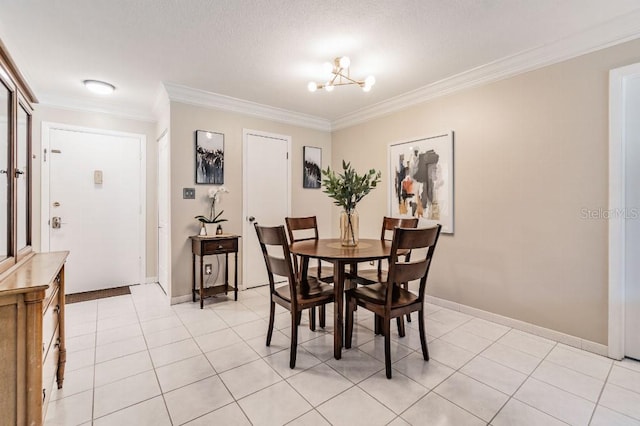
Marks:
<point>185,120</point>
<point>530,160</point>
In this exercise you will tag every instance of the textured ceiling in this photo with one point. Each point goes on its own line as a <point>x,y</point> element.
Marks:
<point>267,51</point>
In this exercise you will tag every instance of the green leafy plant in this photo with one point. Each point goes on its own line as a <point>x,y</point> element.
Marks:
<point>348,188</point>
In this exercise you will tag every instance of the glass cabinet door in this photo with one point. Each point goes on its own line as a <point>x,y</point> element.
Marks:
<point>5,179</point>
<point>22,179</point>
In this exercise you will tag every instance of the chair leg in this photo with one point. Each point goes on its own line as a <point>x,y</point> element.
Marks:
<point>386,328</point>
<point>294,340</point>
<point>348,333</point>
<point>423,336</point>
<point>299,318</point>
<point>272,314</point>
<point>312,318</point>
<point>400,322</point>
<point>323,315</point>
<point>408,317</point>
<point>377,325</point>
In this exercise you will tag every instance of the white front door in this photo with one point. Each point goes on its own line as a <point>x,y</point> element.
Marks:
<point>96,205</point>
<point>632,217</point>
<point>267,196</point>
<point>164,203</point>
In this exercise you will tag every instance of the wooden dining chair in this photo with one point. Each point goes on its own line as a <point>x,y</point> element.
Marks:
<point>371,276</point>
<point>304,229</point>
<point>297,295</point>
<point>388,300</point>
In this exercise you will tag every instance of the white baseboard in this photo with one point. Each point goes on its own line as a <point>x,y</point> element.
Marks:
<point>556,336</point>
<point>151,280</point>
<point>181,299</point>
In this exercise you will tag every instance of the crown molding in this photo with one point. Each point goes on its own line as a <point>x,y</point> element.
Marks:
<point>82,105</point>
<point>203,98</point>
<point>616,31</point>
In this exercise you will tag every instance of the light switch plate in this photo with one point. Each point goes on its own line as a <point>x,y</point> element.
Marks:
<point>189,193</point>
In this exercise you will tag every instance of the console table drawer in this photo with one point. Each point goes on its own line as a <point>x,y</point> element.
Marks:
<point>220,246</point>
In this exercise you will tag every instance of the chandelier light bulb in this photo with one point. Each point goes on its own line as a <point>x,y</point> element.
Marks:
<point>339,75</point>
<point>370,81</point>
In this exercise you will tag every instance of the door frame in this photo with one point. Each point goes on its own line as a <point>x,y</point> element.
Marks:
<point>164,134</point>
<point>245,180</point>
<point>617,205</point>
<point>47,128</point>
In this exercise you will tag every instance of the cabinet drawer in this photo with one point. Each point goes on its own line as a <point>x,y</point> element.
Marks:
<point>220,246</point>
<point>53,287</point>
<point>50,320</point>
<point>49,372</point>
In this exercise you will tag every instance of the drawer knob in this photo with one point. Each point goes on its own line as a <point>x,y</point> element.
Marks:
<point>219,246</point>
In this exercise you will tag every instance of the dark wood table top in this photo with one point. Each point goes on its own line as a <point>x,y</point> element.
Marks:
<point>331,249</point>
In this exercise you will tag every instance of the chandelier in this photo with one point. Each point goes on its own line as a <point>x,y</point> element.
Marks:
<point>340,77</point>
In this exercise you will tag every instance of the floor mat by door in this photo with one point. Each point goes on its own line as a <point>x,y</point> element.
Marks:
<point>97,294</point>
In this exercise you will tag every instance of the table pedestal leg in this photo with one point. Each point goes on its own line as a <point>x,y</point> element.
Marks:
<point>338,285</point>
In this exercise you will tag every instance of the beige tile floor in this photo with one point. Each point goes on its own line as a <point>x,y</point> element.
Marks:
<point>132,360</point>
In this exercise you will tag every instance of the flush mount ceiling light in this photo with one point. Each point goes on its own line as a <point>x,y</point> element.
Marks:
<point>340,77</point>
<point>99,87</point>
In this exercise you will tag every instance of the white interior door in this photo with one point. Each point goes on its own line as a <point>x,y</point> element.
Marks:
<point>632,217</point>
<point>96,194</point>
<point>267,196</point>
<point>164,179</point>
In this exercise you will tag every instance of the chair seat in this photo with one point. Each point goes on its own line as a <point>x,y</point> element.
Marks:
<point>308,292</point>
<point>376,293</point>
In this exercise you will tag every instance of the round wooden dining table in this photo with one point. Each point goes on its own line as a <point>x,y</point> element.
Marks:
<point>332,251</point>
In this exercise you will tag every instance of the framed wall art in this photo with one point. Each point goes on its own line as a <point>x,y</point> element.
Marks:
<point>209,157</point>
<point>312,167</point>
<point>421,180</point>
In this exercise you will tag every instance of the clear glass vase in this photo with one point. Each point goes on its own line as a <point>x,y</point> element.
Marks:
<point>349,228</point>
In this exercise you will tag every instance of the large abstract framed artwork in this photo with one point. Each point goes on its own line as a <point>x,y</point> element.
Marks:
<point>421,180</point>
<point>209,157</point>
<point>312,169</point>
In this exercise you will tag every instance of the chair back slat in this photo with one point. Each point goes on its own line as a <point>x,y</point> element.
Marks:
<point>401,270</point>
<point>302,228</point>
<point>388,223</point>
<point>405,272</point>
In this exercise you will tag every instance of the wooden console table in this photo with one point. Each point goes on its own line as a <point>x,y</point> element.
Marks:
<point>212,245</point>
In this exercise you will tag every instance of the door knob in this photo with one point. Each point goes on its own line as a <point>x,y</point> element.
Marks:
<point>251,219</point>
<point>56,222</point>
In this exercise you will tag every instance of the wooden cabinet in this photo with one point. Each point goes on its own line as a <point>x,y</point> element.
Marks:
<point>16,101</point>
<point>32,347</point>
<point>207,246</point>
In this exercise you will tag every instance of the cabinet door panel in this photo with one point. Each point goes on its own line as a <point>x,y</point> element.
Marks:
<point>5,180</point>
<point>22,179</point>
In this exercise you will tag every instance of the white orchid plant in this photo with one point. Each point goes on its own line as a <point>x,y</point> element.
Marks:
<point>214,195</point>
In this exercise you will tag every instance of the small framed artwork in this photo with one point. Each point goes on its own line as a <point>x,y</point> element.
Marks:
<point>421,180</point>
<point>209,157</point>
<point>312,168</point>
